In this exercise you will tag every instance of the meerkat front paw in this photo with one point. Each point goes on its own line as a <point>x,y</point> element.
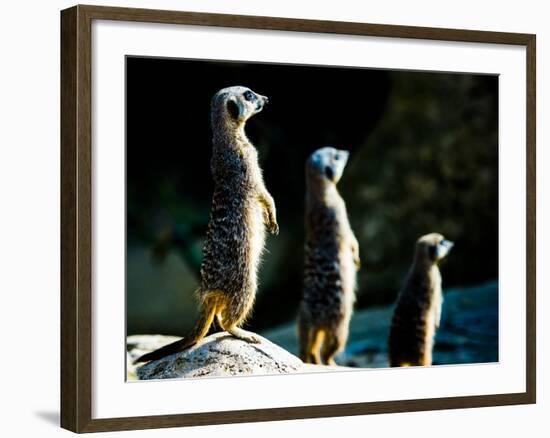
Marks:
<point>357,261</point>
<point>273,226</point>
<point>252,338</point>
<point>271,222</point>
<point>271,219</point>
<point>356,257</point>
<point>270,215</point>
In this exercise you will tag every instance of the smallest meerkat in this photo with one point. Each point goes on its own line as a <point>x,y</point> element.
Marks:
<point>417,312</point>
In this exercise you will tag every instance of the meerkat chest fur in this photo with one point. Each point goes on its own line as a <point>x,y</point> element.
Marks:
<point>329,230</point>
<point>423,287</point>
<point>432,302</point>
<point>237,181</point>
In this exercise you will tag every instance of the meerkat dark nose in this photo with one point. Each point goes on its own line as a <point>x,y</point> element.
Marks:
<point>266,100</point>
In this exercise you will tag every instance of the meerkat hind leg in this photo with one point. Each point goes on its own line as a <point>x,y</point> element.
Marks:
<point>317,336</point>
<point>245,335</point>
<point>209,308</point>
<point>331,346</point>
<point>426,359</point>
<point>303,340</point>
<point>230,326</point>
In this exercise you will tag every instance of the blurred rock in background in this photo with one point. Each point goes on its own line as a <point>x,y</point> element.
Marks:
<point>468,332</point>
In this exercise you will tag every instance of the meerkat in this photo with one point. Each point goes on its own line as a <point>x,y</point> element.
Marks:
<point>331,261</point>
<point>417,312</point>
<point>241,210</point>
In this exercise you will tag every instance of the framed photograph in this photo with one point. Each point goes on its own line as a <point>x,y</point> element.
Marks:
<point>312,218</point>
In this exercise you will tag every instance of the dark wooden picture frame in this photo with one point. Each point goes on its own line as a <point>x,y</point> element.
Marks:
<point>76,218</point>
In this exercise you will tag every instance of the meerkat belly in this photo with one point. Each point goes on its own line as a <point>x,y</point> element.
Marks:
<point>233,245</point>
<point>348,274</point>
<point>255,236</point>
<point>429,329</point>
<point>432,319</point>
<point>412,330</point>
<point>328,291</point>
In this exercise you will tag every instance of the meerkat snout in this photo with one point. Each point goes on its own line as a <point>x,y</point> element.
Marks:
<point>263,99</point>
<point>443,248</point>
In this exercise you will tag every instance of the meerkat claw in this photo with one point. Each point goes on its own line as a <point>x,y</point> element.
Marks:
<point>245,335</point>
<point>253,339</point>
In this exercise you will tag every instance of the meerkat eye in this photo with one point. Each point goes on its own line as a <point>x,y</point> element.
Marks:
<point>248,95</point>
<point>337,157</point>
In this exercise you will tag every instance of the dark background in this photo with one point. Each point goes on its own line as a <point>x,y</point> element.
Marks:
<point>424,158</point>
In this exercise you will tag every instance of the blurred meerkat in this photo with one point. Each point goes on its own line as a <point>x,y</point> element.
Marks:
<point>417,312</point>
<point>241,210</point>
<point>331,261</point>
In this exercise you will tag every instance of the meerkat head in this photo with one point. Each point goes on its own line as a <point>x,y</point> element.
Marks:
<point>433,247</point>
<point>237,104</point>
<point>327,164</point>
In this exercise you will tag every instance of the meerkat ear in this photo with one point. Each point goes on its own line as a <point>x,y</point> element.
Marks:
<point>233,108</point>
<point>433,251</point>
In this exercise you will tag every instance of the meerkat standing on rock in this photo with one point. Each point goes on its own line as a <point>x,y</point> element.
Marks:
<point>241,209</point>
<point>418,310</point>
<point>331,261</point>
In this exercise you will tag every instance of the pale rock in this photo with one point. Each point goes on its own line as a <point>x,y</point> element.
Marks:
<point>218,355</point>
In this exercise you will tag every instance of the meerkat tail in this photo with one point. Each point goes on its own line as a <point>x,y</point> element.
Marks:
<point>206,317</point>
<point>174,347</point>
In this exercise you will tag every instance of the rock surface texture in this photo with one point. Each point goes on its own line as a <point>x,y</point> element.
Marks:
<point>217,355</point>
